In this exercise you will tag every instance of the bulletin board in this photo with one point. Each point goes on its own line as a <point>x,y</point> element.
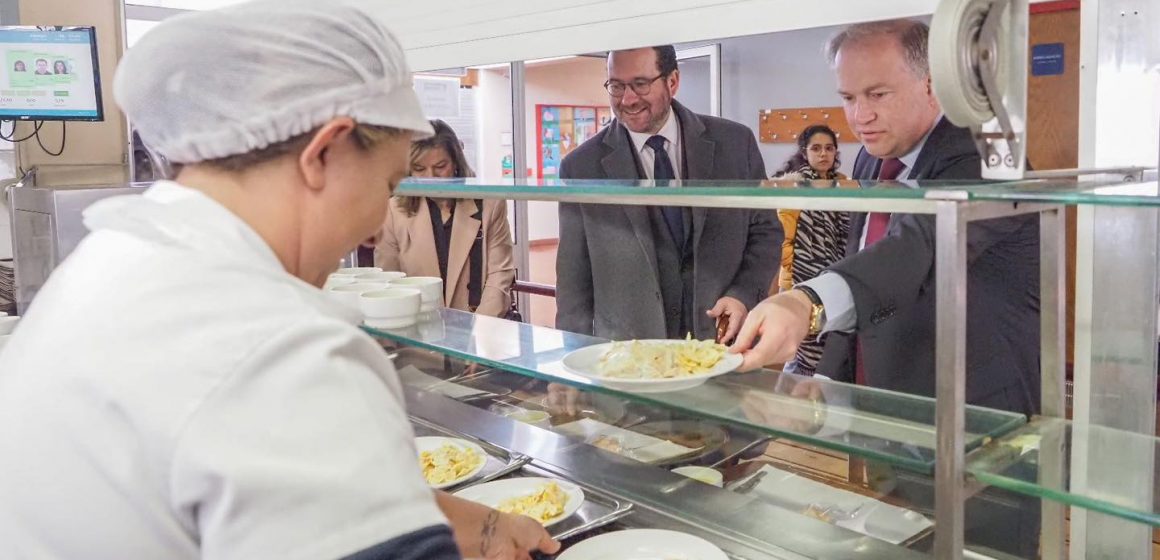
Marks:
<point>560,128</point>
<point>784,125</point>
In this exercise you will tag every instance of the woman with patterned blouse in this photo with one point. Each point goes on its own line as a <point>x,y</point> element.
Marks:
<point>814,239</point>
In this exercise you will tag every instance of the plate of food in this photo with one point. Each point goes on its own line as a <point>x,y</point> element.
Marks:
<point>543,499</point>
<point>652,366</point>
<point>449,461</point>
<point>644,544</point>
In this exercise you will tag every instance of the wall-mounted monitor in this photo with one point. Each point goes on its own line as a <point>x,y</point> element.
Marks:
<point>49,74</point>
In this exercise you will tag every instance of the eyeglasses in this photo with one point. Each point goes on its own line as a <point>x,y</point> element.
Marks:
<point>640,86</point>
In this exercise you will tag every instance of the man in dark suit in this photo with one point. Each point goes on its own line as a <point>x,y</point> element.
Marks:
<point>633,272</point>
<point>881,297</point>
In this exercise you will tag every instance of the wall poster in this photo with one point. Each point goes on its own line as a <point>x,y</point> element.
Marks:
<point>560,128</point>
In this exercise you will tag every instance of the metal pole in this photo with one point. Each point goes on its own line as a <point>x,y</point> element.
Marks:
<point>1053,372</point>
<point>519,174</point>
<point>950,378</point>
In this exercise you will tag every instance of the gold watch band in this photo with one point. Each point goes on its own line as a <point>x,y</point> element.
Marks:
<point>817,310</point>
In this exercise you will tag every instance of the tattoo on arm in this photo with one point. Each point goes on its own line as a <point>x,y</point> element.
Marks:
<point>487,534</point>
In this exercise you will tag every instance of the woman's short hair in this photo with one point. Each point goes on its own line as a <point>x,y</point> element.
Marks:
<point>445,138</point>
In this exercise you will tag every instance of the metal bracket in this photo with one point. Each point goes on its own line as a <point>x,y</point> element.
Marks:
<point>986,56</point>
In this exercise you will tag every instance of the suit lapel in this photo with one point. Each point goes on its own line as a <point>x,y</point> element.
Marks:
<point>924,164</point>
<point>621,162</point>
<point>698,154</point>
<point>464,228</point>
<point>423,242</point>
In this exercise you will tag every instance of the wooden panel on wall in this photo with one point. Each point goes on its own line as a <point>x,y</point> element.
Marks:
<point>784,125</point>
<point>1053,117</point>
<point>89,143</point>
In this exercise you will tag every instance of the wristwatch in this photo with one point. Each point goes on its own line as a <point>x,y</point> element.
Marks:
<point>817,310</point>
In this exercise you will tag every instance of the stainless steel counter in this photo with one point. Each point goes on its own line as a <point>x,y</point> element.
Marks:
<point>744,526</point>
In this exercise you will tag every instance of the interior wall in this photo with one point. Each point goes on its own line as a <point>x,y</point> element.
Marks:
<point>494,122</point>
<point>88,143</point>
<point>572,81</point>
<point>778,71</point>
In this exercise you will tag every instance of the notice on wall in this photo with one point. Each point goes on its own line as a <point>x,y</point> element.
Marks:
<point>1047,59</point>
<point>439,97</point>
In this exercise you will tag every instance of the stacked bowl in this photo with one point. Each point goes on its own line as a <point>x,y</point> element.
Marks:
<point>387,299</point>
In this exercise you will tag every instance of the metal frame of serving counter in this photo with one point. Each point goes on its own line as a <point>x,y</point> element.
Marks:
<point>745,528</point>
<point>953,206</point>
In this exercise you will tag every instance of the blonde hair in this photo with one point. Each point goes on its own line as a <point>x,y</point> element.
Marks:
<point>444,138</point>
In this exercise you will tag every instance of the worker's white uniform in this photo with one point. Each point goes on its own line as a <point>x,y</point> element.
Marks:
<point>174,393</point>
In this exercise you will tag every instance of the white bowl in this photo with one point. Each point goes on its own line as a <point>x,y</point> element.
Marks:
<point>385,276</point>
<point>356,270</point>
<point>347,294</point>
<point>337,280</point>
<point>8,324</point>
<point>391,308</point>
<point>702,474</point>
<point>430,286</point>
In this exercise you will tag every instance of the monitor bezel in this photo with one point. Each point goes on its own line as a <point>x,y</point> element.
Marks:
<point>92,32</point>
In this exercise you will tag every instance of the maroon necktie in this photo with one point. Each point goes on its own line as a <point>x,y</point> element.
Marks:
<point>876,224</point>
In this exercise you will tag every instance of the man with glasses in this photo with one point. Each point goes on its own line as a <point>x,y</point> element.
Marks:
<point>637,272</point>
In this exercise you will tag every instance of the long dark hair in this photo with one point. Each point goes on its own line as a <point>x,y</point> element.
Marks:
<point>799,159</point>
<point>444,138</point>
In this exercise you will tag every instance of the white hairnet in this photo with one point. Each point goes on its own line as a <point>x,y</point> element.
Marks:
<point>212,84</point>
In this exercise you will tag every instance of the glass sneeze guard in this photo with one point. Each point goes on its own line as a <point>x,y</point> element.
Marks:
<point>895,428</point>
<point>1012,462</point>
<point>908,196</point>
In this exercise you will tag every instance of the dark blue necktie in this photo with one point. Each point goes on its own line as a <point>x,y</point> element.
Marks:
<point>663,171</point>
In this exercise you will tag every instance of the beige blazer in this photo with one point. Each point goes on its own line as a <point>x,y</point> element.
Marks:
<point>407,244</point>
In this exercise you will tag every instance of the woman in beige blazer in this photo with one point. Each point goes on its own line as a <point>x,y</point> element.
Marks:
<point>465,242</point>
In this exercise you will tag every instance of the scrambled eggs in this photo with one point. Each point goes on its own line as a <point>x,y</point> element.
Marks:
<point>448,463</point>
<point>545,504</point>
<point>660,360</point>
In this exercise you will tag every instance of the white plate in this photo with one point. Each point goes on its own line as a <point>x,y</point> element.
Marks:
<point>583,362</point>
<point>644,544</point>
<point>492,493</point>
<point>431,443</point>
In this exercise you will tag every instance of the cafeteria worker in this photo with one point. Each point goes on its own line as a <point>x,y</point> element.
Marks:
<point>181,388</point>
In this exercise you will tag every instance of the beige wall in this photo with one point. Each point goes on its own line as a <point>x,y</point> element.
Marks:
<point>495,120</point>
<point>574,81</point>
<point>102,143</point>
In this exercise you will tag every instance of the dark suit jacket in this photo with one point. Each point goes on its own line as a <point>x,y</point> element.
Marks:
<point>893,284</point>
<point>606,267</point>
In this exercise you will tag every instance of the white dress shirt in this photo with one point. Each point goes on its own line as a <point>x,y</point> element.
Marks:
<point>832,289</point>
<point>672,133</point>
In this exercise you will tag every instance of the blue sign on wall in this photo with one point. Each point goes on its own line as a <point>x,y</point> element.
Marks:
<point>1047,59</point>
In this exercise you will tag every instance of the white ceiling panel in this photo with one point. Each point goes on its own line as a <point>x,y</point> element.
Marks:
<point>450,33</point>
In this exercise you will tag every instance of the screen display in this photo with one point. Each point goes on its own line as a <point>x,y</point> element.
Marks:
<point>49,74</point>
